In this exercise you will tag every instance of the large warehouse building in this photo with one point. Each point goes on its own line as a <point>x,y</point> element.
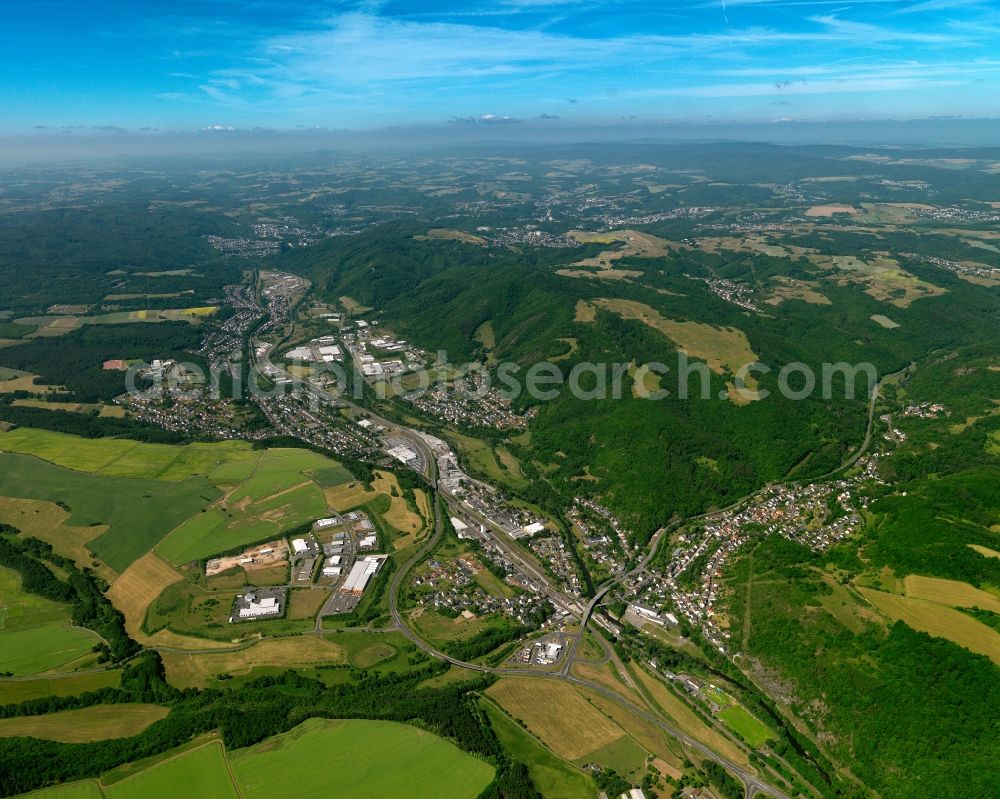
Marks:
<point>361,574</point>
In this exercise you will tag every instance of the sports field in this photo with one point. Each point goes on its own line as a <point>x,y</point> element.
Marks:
<point>678,711</point>
<point>938,620</point>
<point>35,633</point>
<point>138,512</point>
<point>95,723</point>
<point>197,774</point>
<point>750,729</point>
<point>357,760</point>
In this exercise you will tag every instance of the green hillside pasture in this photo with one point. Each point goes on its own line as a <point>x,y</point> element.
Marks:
<point>14,691</point>
<point>122,457</point>
<point>554,778</point>
<point>357,760</point>
<point>749,728</point>
<point>73,790</point>
<point>223,528</point>
<point>197,774</point>
<point>279,469</point>
<point>43,647</point>
<point>139,513</point>
<point>35,633</point>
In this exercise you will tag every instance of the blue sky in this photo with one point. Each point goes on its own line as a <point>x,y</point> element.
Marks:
<point>186,65</point>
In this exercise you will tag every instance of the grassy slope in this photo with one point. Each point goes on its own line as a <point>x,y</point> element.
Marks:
<point>356,759</point>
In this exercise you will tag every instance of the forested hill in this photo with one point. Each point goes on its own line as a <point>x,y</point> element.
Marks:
<point>653,459</point>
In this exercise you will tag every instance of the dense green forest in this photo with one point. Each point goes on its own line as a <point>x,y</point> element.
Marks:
<point>75,360</point>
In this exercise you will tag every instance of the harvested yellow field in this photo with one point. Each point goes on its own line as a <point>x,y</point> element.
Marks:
<point>645,733</point>
<point>831,210</point>
<point>197,669</point>
<point>635,244</point>
<point>884,321</point>
<point>96,723</point>
<point>447,234</point>
<point>950,592</point>
<point>724,349</point>
<point>399,514</point>
<point>787,288</point>
<point>554,712</point>
<point>348,495</point>
<point>937,620</point>
<point>26,383</point>
<point>584,312</point>
<point>137,587</point>
<point>882,277</point>
<point>986,552</point>
<point>423,502</point>
<point>604,274</point>
<point>684,717</point>
<point>47,521</point>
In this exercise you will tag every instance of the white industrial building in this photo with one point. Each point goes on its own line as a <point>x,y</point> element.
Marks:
<point>299,546</point>
<point>368,542</point>
<point>534,527</point>
<point>403,454</point>
<point>255,609</point>
<point>322,524</point>
<point>361,574</point>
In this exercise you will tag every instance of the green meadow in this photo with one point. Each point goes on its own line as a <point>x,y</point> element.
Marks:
<point>35,633</point>
<point>139,512</point>
<point>358,760</point>
<point>754,732</point>
<point>196,774</point>
<point>122,457</point>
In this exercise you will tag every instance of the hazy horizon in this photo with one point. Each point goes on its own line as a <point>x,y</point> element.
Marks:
<point>547,69</point>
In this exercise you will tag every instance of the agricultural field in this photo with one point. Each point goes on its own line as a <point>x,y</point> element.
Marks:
<point>723,349</point>
<point>95,723</point>
<point>399,514</point>
<point>674,708</point>
<point>634,244</point>
<point>35,633</point>
<point>359,759</point>
<point>574,733</point>
<point>986,552</point>
<point>138,512</point>
<point>199,669</point>
<point>14,691</point>
<point>938,620</point>
<point>121,457</point>
<point>138,586</point>
<point>953,593</point>
<point>446,234</point>
<point>554,778</point>
<point>200,773</point>
<point>47,521</point>
<point>75,790</point>
<point>275,495</point>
